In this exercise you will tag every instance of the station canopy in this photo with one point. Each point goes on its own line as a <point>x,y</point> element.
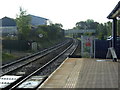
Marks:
<point>115,12</point>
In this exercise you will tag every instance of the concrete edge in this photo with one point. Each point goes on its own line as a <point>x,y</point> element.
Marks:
<point>53,73</point>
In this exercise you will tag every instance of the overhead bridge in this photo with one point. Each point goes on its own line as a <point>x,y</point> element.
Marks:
<point>75,31</point>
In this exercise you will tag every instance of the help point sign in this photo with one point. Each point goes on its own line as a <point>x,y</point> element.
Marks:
<point>87,46</point>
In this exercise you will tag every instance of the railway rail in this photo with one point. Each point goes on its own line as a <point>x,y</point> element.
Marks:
<point>29,59</point>
<point>46,68</point>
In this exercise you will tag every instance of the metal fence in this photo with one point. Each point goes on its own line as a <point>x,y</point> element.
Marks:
<point>18,45</point>
<point>101,48</point>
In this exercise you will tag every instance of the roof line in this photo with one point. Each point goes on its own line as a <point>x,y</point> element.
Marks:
<point>117,7</point>
<point>38,16</point>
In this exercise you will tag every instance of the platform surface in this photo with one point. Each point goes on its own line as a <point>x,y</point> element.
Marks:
<point>84,73</point>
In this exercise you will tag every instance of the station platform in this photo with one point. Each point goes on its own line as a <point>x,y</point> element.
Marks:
<point>84,73</point>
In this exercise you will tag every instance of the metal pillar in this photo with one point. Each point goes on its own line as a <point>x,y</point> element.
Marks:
<point>114,33</point>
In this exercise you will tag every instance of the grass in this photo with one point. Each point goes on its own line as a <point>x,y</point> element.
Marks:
<point>7,56</point>
<point>45,44</point>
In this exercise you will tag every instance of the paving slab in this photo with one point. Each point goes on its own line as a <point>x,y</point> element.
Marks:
<point>84,73</point>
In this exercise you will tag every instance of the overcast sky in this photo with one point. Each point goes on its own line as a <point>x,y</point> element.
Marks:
<point>66,12</point>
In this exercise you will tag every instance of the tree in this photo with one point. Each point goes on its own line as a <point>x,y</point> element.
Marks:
<point>89,24</point>
<point>102,30</point>
<point>43,29</point>
<point>23,25</point>
<point>50,33</point>
<point>60,32</point>
<point>108,27</point>
<point>81,25</point>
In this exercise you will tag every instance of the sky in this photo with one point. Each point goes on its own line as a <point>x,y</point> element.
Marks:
<point>66,12</point>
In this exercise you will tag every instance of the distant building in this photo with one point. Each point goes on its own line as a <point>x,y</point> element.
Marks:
<point>8,25</point>
<point>36,20</point>
<point>6,21</point>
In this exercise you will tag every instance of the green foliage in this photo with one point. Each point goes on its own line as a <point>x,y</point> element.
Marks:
<point>10,37</point>
<point>89,24</point>
<point>51,32</point>
<point>6,56</point>
<point>102,30</point>
<point>88,34</point>
<point>23,24</point>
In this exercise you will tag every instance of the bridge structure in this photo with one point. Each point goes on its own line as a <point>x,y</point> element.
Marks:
<point>74,32</point>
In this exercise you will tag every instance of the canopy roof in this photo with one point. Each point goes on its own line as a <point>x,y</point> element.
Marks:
<point>115,12</point>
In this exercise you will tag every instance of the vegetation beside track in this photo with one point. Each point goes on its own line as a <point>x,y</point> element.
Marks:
<point>8,56</point>
<point>44,35</point>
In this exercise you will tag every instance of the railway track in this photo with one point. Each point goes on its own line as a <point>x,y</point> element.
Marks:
<point>46,68</point>
<point>7,68</point>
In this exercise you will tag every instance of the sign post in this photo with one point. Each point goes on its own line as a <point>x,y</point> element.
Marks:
<point>87,46</point>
